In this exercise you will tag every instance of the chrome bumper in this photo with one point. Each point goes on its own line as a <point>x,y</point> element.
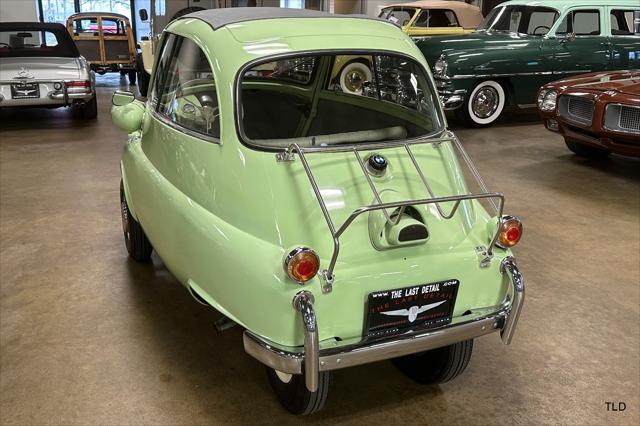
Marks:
<point>313,359</point>
<point>452,101</point>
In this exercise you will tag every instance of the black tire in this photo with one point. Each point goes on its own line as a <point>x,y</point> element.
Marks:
<point>587,151</point>
<point>135,239</point>
<point>132,77</point>
<point>186,11</point>
<point>294,395</point>
<point>437,365</point>
<point>143,76</point>
<point>89,110</point>
<point>493,107</point>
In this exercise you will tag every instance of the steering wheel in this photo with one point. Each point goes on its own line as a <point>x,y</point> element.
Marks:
<point>541,26</point>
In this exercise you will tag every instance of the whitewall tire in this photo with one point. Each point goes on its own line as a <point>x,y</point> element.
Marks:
<point>353,76</point>
<point>484,104</point>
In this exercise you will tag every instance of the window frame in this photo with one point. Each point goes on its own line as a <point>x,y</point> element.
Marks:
<point>154,99</point>
<point>601,27</point>
<point>609,13</point>
<point>237,92</point>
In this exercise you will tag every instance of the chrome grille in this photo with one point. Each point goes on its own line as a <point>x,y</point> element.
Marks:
<point>576,109</point>
<point>630,118</point>
<point>622,118</point>
<point>580,109</point>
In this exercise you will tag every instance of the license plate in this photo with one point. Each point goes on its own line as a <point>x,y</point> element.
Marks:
<point>25,90</point>
<point>421,306</point>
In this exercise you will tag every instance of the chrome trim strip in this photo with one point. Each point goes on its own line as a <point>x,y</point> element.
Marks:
<point>183,129</point>
<point>503,318</point>
<point>517,74</point>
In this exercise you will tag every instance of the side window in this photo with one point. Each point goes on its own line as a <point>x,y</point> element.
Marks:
<point>184,90</point>
<point>436,18</point>
<point>625,22</point>
<point>580,23</point>
<point>87,27</point>
<point>540,22</point>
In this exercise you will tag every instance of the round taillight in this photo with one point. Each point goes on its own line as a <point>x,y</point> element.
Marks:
<point>510,231</point>
<point>301,264</point>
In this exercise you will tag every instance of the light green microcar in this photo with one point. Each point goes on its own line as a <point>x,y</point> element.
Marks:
<point>337,228</point>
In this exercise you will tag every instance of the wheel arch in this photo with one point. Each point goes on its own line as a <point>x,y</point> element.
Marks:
<point>125,188</point>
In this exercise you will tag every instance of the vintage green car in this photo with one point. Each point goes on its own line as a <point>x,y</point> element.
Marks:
<point>336,229</point>
<point>522,45</point>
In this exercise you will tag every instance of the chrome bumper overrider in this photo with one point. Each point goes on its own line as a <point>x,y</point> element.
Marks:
<point>314,358</point>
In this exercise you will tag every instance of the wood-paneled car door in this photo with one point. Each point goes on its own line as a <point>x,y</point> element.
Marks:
<point>581,44</point>
<point>183,142</point>
<point>624,27</point>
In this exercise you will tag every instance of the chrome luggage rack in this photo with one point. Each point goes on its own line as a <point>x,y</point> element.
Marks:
<point>486,253</point>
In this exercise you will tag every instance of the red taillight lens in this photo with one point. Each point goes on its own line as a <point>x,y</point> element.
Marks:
<point>510,231</point>
<point>302,264</point>
<point>80,83</point>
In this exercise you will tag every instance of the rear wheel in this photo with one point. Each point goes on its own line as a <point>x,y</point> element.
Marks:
<point>293,393</point>
<point>132,77</point>
<point>437,365</point>
<point>135,239</point>
<point>483,105</point>
<point>587,151</point>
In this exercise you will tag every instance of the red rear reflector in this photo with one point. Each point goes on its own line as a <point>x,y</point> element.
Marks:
<point>82,83</point>
<point>301,264</point>
<point>510,231</point>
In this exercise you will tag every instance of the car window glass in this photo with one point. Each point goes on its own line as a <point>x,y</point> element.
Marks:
<point>361,98</point>
<point>540,22</point>
<point>430,18</point>
<point>32,43</point>
<point>625,22</point>
<point>581,22</point>
<point>400,15</point>
<point>532,20</point>
<point>87,26</point>
<point>184,89</point>
<point>297,70</point>
<point>113,27</point>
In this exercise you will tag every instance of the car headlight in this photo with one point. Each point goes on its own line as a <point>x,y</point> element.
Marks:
<point>547,100</point>
<point>440,67</point>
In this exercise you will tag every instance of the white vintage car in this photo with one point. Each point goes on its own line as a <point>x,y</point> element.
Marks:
<point>40,66</point>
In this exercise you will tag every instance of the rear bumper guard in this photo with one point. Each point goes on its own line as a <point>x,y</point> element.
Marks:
<point>313,359</point>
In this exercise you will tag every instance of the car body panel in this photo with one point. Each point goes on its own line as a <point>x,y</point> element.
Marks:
<point>223,215</point>
<point>617,88</point>
<point>525,62</point>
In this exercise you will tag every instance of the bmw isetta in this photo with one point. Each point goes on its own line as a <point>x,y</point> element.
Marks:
<point>336,228</point>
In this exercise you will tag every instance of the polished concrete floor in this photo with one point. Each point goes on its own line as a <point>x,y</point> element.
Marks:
<point>88,336</point>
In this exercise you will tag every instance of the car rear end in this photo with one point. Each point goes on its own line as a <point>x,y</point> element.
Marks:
<point>41,67</point>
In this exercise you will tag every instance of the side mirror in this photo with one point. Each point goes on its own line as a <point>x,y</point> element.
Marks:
<point>126,112</point>
<point>144,15</point>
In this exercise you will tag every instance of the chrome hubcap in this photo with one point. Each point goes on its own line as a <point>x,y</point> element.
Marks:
<point>354,81</point>
<point>485,102</point>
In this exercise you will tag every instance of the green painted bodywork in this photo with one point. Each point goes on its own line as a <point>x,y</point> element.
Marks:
<point>523,63</point>
<point>223,215</point>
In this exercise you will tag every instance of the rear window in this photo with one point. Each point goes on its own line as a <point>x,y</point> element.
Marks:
<point>433,18</point>
<point>32,43</point>
<point>625,22</point>
<point>334,99</point>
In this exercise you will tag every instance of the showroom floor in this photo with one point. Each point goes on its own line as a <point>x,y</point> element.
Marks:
<point>88,336</point>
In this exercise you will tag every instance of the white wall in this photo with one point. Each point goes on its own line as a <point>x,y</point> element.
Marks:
<point>18,10</point>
